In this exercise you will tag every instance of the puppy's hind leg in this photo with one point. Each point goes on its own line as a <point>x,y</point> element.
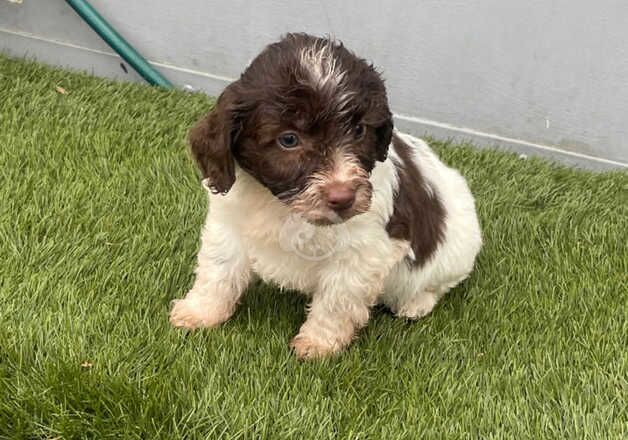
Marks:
<point>422,302</point>
<point>222,274</point>
<point>418,305</point>
<point>407,292</point>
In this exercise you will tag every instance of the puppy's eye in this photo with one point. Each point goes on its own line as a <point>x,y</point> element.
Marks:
<point>359,131</point>
<point>288,140</point>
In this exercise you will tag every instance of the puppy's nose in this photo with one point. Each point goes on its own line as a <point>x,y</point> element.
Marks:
<point>340,196</point>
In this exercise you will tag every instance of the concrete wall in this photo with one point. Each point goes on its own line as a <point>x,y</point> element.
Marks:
<point>539,76</point>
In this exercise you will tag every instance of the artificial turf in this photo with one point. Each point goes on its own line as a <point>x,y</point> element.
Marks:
<point>100,214</point>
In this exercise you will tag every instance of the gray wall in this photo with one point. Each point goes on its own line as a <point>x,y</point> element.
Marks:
<point>539,76</point>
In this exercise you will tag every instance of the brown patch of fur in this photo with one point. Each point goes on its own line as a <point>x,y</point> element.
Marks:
<point>418,216</point>
<point>211,141</point>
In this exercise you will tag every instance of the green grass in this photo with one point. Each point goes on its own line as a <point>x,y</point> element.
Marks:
<point>100,214</point>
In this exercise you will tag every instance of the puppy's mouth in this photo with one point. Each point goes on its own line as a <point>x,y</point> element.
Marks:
<point>327,219</point>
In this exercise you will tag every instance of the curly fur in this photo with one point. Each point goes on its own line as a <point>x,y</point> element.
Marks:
<point>409,235</point>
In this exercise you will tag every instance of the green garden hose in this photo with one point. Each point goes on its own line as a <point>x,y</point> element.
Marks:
<point>119,44</point>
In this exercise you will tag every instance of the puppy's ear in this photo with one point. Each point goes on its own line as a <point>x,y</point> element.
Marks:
<point>211,141</point>
<point>384,135</point>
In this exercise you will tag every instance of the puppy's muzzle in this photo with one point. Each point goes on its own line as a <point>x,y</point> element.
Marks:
<point>340,196</point>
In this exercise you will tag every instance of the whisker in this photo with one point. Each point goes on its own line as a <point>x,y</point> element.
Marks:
<point>287,194</point>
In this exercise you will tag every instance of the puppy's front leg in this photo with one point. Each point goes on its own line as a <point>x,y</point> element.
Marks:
<point>339,308</point>
<point>223,272</point>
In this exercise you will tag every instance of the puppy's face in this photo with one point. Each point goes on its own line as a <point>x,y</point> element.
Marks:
<point>307,119</point>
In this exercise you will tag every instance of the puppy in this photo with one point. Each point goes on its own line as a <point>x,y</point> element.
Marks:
<point>312,189</point>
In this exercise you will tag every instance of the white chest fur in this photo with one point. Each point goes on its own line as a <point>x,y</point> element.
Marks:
<point>285,249</point>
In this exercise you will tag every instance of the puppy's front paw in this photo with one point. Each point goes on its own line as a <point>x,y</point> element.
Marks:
<point>312,348</point>
<point>193,314</point>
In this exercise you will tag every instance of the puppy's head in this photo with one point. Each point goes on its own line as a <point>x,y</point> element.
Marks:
<point>308,119</point>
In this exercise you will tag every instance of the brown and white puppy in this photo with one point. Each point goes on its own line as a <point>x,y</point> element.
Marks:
<point>310,188</point>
